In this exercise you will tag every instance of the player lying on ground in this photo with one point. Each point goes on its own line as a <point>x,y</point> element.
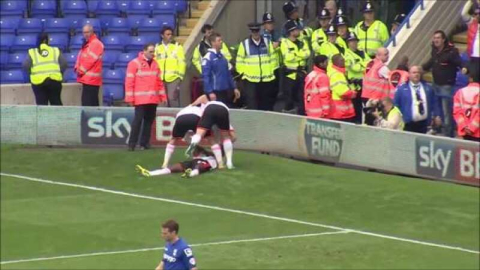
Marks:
<point>215,113</point>
<point>186,120</point>
<point>203,161</point>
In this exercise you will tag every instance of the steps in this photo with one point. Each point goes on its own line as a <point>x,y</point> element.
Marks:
<point>186,24</point>
<point>460,41</point>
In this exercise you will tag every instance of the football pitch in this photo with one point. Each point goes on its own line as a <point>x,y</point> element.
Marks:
<point>65,208</point>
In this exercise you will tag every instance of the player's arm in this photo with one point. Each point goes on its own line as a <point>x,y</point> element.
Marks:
<point>160,266</point>
<point>200,100</point>
<point>188,259</point>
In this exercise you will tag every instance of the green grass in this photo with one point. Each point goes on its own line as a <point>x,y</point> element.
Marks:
<point>44,220</point>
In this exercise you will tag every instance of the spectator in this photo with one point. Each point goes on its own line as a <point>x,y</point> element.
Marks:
<point>45,65</point>
<point>317,89</point>
<point>89,66</point>
<point>295,54</point>
<point>466,108</point>
<point>144,90</point>
<point>170,58</point>
<point>399,75</point>
<point>444,62</point>
<point>319,36</point>
<point>256,62</point>
<point>388,116</point>
<point>417,102</point>
<point>397,21</point>
<point>205,45</point>
<point>330,47</point>
<point>273,36</point>
<point>218,81</point>
<point>375,82</point>
<point>356,62</point>
<point>342,94</point>
<point>473,34</point>
<point>331,5</point>
<point>373,34</point>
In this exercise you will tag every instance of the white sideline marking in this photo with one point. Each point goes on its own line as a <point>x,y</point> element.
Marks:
<point>241,212</point>
<point>160,248</point>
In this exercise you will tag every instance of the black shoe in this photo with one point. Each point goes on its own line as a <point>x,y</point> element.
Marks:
<point>131,148</point>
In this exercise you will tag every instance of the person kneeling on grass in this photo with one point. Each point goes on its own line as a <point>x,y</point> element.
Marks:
<point>203,161</point>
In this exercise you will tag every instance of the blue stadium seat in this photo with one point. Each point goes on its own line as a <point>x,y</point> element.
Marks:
<point>76,42</point>
<point>166,19</point>
<point>123,5</point>
<point>12,76</point>
<point>30,26</point>
<point>15,60</point>
<point>164,7</point>
<point>69,76</point>
<point>124,58</point>
<point>150,26</point>
<point>136,43</point>
<point>13,8</point>
<point>78,25</point>
<point>71,58</point>
<point>58,40</point>
<point>109,58</point>
<point>8,25</point>
<point>113,43</point>
<point>74,9</point>
<point>43,9</point>
<point>139,7</point>
<point>3,59</point>
<point>181,6</point>
<point>113,82</point>
<point>119,26</point>
<point>57,25</point>
<point>23,43</point>
<point>107,9</point>
<point>6,42</point>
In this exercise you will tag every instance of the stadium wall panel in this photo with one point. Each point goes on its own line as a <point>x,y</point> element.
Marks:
<point>404,153</point>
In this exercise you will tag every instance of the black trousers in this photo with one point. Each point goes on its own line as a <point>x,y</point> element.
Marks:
<point>90,95</point>
<point>471,138</point>
<point>417,127</point>
<point>48,92</point>
<point>294,90</point>
<point>358,105</point>
<point>258,96</point>
<point>142,124</point>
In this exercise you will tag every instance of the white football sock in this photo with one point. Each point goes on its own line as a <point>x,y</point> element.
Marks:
<point>196,139</point>
<point>217,152</point>
<point>228,147</point>
<point>194,173</point>
<point>160,172</point>
<point>168,154</point>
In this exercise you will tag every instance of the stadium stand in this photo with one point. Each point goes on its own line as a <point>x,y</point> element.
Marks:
<point>59,40</point>
<point>12,76</point>
<point>69,76</point>
<point>22,43</point>
<point>30,26</point>
<point>71,58</point>
<point>113,89</point>
<point>15,60</point>
<point>76,42</point>
<point>43,9</point>
<point>13,9</point>
<point>57,25</point>
<point>113,43</point>
<point>109,59</point>
<point>74,9</point>
<point>123,59</point>
<point>119,26</point>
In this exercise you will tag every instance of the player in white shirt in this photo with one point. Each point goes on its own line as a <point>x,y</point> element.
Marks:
<point>187,120</point>
<point>215,113</point>
<point>203,161</point>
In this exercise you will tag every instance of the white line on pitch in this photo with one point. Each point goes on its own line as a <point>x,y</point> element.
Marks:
<point>160,248</point>
<point>240,212</point>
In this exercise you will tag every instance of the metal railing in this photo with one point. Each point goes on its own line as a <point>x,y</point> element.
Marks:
<point>406,23</point>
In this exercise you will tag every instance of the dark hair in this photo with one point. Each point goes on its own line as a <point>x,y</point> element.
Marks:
<point>171,225</point>
<point>319,59</point>
<point>145,47</point>
<point>444,36</point>
<point>206,27</point>
<point>336,58</point>
<point>213,37</point>
<point>403,65</point>
<point>42,38</point>
<point>165,28</point>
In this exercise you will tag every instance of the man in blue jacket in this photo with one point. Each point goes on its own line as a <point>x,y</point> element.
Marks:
<point>218,83</point>
<point>418,103</point>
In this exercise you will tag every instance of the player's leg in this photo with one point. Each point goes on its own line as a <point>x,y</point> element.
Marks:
<point>216,149</point>
<point>169,151</point>
<point>223,123</point>
<point>175,168</point>
<point>205,124</point>
<point>198,167</point>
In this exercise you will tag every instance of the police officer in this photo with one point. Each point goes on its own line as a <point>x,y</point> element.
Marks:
<point>291,13</point>
<point>356,62</point>
<point>372,33</point>
<point>319,36</point>
<point>170,58</point>
<point>330,47</point>
<point>45,64</point>
<point>274,36</point>
<point>295,54</point>
<point>256,61</point>
<point>342,30</point>
<point>396,23</point>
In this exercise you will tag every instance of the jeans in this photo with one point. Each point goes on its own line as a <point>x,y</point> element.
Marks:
<point>444,95</point>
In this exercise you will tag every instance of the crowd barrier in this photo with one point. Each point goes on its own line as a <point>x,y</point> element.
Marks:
<point>322,140</point>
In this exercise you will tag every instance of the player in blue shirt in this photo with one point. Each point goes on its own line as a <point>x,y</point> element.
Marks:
<point>177,255</point>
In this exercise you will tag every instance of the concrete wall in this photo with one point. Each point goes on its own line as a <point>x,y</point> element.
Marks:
<point>22,94</point>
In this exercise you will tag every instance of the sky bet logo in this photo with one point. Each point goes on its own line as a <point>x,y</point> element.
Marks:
<point>448,160</point>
